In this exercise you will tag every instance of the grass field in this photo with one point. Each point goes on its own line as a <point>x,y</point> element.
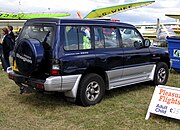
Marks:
<point>122,109</point>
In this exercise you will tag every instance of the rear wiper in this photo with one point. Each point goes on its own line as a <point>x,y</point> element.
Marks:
<point>47,35</point>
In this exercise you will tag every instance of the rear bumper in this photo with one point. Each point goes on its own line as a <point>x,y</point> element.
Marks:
<point>52,83</point>
<point>25,81</point>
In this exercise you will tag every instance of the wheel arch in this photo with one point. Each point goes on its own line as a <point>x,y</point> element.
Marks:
<point>97,70</point>
<point>165,60</point>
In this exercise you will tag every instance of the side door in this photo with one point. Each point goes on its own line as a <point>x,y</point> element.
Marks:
<point>136,60</point>
<point>109,54</point>
<point>78,49</point>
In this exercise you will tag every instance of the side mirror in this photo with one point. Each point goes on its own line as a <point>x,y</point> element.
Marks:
<point>147,43</point>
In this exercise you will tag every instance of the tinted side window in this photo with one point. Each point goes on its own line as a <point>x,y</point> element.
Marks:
<point>106,37</point>
<point>77,38</point>
<point>71,38</point>
<point>130,37</point>
<point>110,37</point>
<point>99,38</point>
<point>84,34</point>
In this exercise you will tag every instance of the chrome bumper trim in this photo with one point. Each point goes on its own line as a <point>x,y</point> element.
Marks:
<point>53,83</point>
<point>60,83</point>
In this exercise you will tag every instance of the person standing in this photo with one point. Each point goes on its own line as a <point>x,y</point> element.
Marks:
<point>6,48</point>
<point>10,31</point>
<point>12,36</point>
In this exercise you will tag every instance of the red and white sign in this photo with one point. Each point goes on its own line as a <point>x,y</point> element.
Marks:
<point>165,101</point>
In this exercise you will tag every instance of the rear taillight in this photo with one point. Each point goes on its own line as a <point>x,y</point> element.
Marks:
<point>40,86</point>
<point>55,69</point>
<point>54,72</point>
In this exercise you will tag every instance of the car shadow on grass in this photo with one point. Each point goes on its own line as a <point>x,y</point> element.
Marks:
<point>127,89</point>
<point>45,99</point>
<point>42,99</point>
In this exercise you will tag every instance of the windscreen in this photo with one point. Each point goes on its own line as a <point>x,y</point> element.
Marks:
<point>40,32</point>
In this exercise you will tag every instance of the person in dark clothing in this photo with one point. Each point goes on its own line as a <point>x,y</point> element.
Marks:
<point>10,31</point>
<point>6,48</point>
<point>0,53</point>
<point>12,36</point>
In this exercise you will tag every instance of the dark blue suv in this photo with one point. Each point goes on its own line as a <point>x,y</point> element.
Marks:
<point>83,58</point>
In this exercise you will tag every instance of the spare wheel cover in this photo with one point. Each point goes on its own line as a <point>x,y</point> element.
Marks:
<point>28,54</point>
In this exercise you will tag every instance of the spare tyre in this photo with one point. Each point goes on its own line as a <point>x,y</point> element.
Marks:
<point>28,55</point>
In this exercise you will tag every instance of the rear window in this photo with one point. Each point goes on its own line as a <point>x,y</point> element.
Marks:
<point>42,33</point>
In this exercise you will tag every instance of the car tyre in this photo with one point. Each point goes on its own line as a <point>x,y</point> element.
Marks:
<point>91,90</point>
<point>161,74</point>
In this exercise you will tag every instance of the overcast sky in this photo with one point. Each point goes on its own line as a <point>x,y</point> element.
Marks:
<point>146,14</point>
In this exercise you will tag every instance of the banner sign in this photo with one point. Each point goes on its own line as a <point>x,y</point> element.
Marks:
<point>165,101</point>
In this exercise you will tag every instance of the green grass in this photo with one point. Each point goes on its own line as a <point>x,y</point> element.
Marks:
<point>121,109</point>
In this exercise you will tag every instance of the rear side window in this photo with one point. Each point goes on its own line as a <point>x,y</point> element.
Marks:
<point>129,37</point>
<point>77,38</point>
<point>40,32</point>
<point>106,37</point>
